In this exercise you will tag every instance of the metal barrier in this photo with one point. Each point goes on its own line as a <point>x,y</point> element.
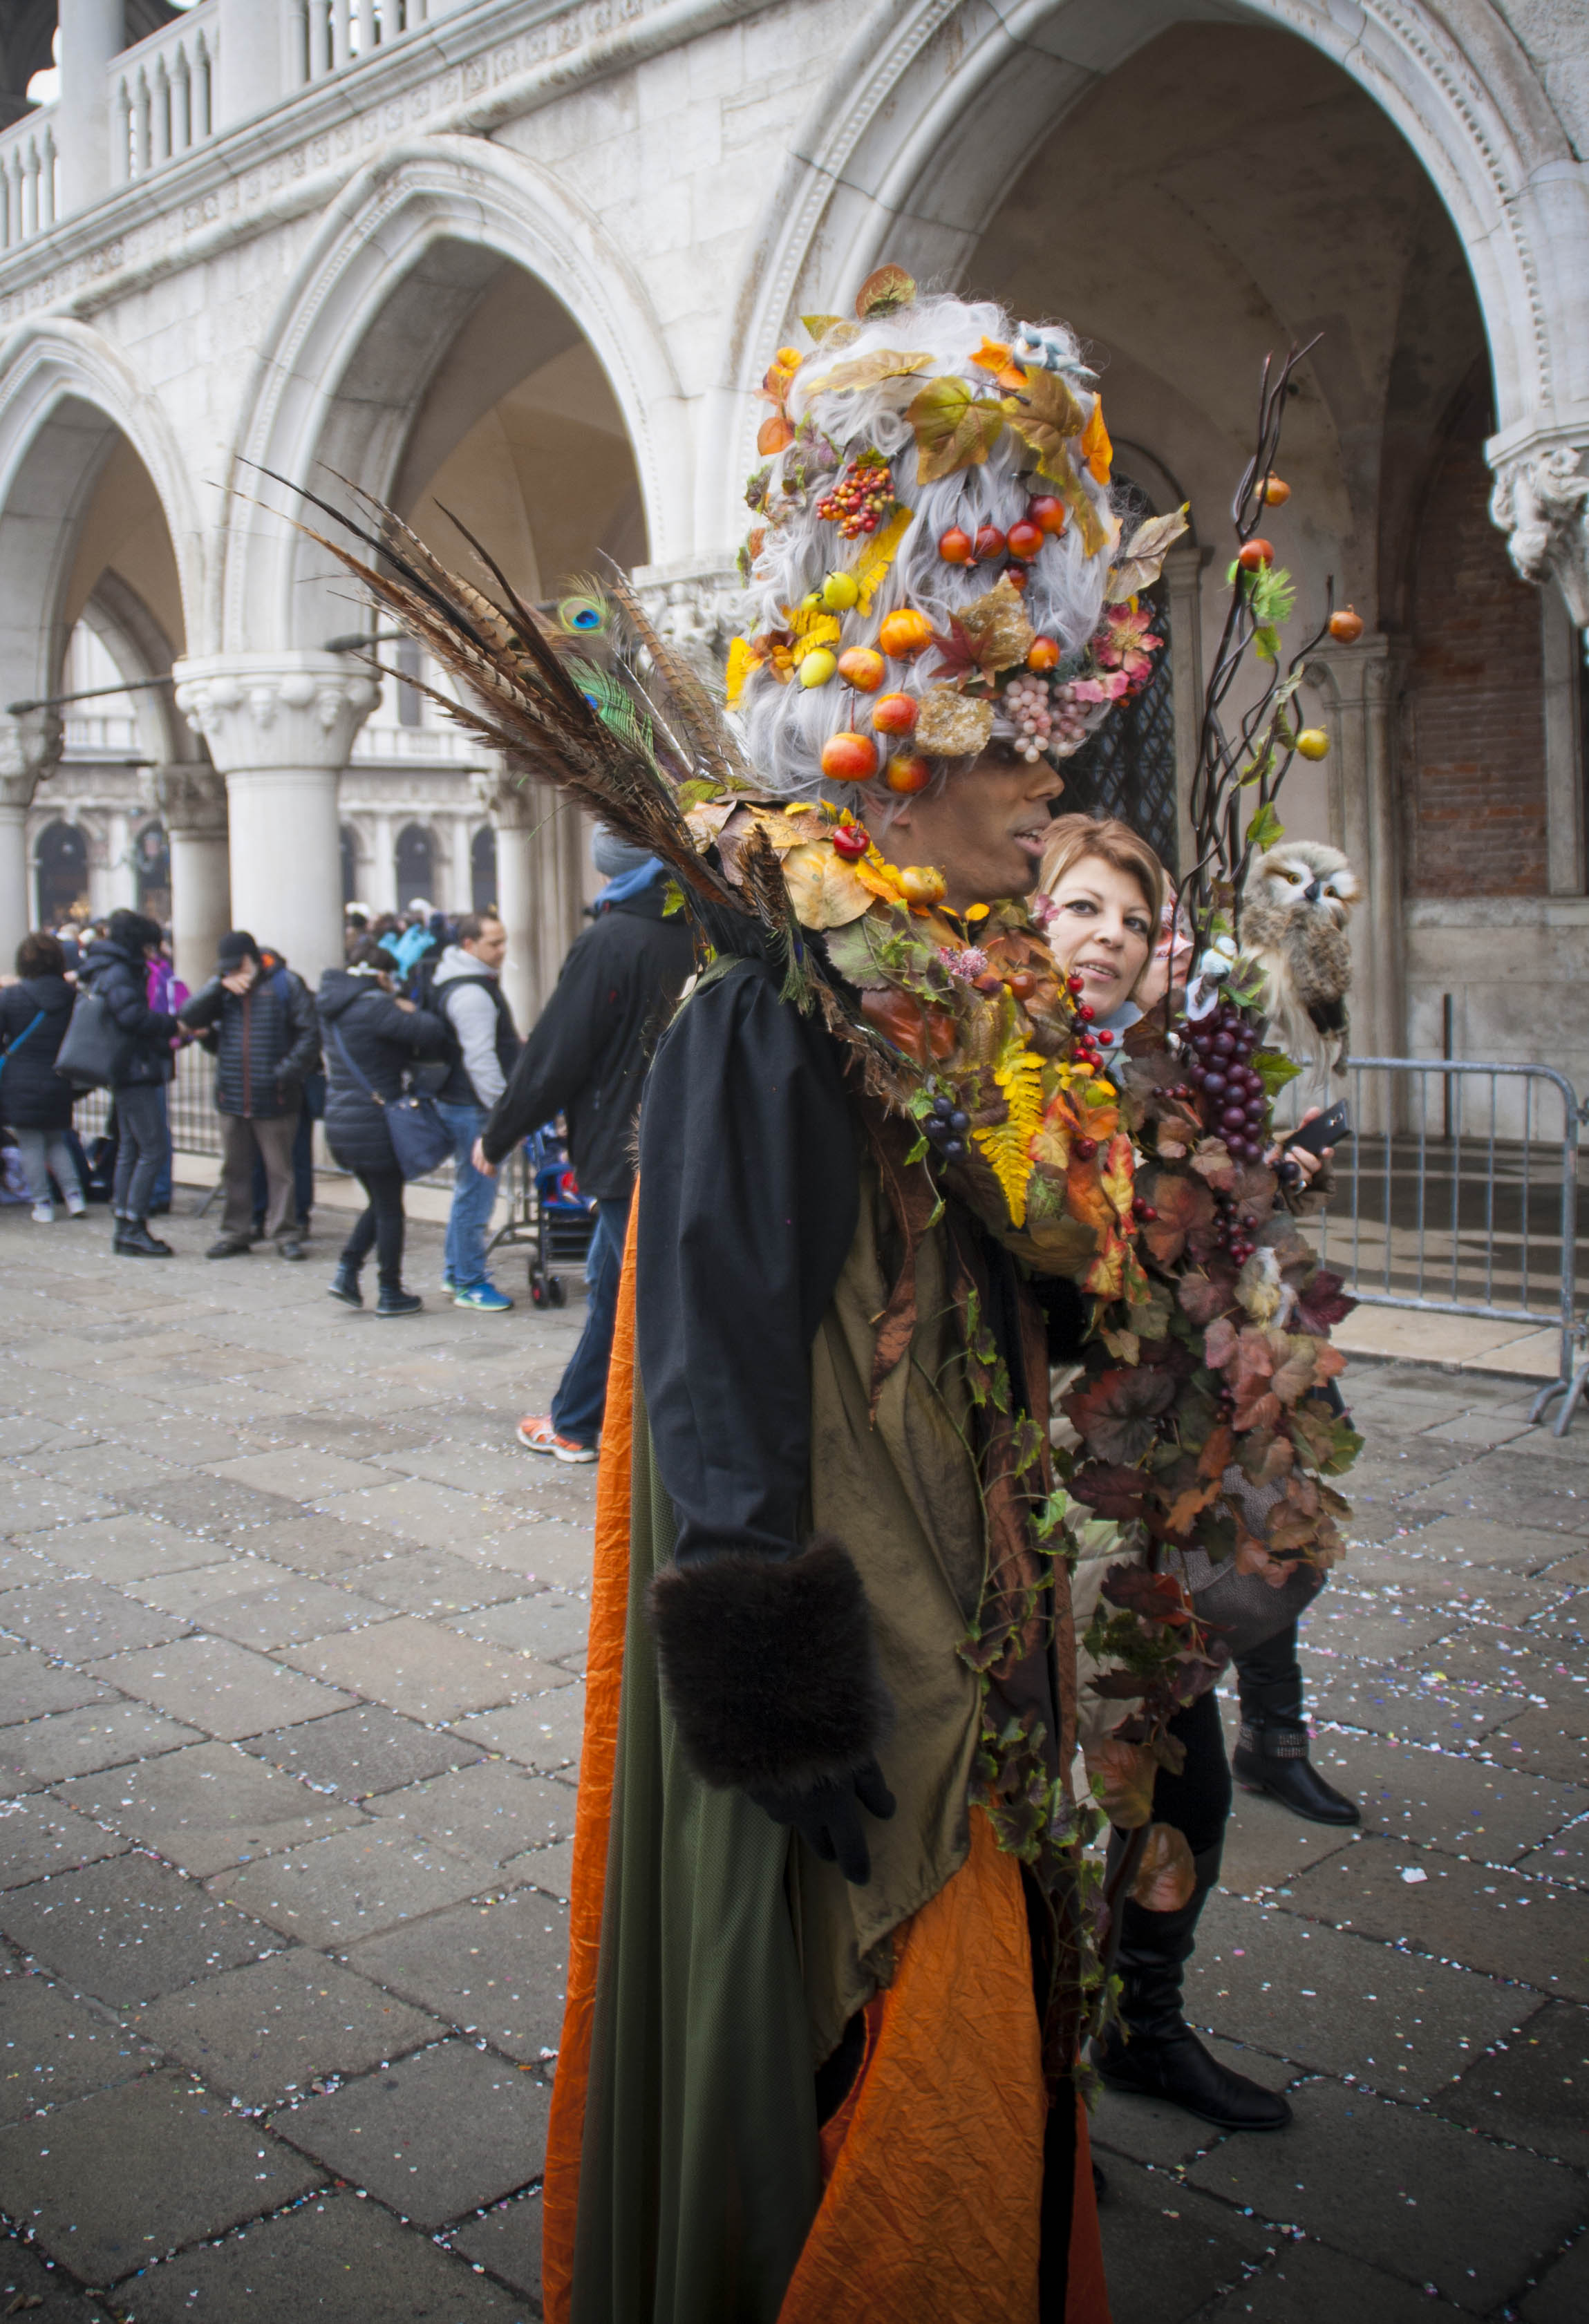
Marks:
<point>1467,1206</point>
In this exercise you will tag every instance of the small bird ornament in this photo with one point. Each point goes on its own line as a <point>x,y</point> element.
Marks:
<point>1297,901</point>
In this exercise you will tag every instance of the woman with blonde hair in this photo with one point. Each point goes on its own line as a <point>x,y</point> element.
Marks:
<point>1106,891</point>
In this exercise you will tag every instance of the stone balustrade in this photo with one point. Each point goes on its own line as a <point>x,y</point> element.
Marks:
<point>162,96</point>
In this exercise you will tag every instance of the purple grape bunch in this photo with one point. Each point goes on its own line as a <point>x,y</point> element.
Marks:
<point>1236,1105</point>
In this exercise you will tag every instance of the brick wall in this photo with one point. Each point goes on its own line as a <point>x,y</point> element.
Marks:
<point>1474,797</point>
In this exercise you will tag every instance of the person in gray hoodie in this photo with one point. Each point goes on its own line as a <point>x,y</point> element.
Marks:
<point>465,990</point>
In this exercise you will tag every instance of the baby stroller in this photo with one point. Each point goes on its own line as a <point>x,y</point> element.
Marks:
<point>552,1214</point>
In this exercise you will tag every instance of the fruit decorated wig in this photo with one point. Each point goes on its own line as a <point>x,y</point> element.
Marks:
<point>934,522</point>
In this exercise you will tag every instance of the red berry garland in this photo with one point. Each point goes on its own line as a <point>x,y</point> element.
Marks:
<point>857,502</point>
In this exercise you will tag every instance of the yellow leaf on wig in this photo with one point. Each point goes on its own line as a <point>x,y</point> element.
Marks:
<point>823,887</point>
<point>879,554</point>
<point>742,660</point>
<point>822,630</point>
<point>1047,416</point>
<point>866,370</point>
<point>1096,449</point>
<point>953,428</point>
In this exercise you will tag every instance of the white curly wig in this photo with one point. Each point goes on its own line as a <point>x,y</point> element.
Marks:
<point>785,724</point>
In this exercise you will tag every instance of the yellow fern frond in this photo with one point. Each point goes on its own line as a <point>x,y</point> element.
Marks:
<point>1008,1146</point>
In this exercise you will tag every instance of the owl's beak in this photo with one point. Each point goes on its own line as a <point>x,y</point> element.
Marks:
<point>1314,890</point>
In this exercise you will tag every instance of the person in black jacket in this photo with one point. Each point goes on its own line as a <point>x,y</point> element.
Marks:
<point>36,1102</point>
<point>116,966</point>
<point>266,1041</point>
<point>371,1037</point>
<point>585,1059</point>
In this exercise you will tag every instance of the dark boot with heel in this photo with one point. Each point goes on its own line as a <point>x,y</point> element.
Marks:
<point>395,1301</point>
<point>343,1283</point>
<point>1271,1753</point>
<point>133,1240</point>
<point>1152,2051</point>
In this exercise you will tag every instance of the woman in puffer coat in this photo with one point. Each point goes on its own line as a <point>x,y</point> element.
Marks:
<point>34,1100</point>
<point>371,1038</point>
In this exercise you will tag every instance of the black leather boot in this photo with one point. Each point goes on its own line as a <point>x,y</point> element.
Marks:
<point>343,1283</point>
<point>1152,2051</point>
<point>135,1241</point>
<point>1271,1753</point>
<point>395,1301</point>
<point>1274,1760</point>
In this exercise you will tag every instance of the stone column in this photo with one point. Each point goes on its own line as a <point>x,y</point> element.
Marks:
<point>92,32</point>
<point>279,727</point>
<point>1360,685</point>
<point>121,879</point>
<point>252,78</point>
<point>30,746</point>
<point>380,886</point>
<point>192,800</point>
<point>539,887</point>
<point>1183,575</point>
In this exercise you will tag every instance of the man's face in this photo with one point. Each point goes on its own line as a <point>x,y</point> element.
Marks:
<point>241,977</point>
<point>490,946</point>
<point>985,828</point>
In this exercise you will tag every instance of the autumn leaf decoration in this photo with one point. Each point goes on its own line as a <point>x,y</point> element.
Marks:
<point>1007,1145</point>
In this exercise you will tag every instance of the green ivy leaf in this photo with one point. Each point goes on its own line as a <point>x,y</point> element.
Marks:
<point>1266,827</point>
<point>1274,1070</point>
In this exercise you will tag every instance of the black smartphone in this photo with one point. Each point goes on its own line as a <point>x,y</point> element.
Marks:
<point>1329,1129</point>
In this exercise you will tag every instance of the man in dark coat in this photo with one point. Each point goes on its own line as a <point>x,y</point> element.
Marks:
<point>116,966</point>
<point>35,1103</point>
<point>585,1059</point>
<point>264,1034</point>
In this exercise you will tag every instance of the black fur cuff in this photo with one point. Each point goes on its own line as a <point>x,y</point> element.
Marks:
<point>767,1666</point>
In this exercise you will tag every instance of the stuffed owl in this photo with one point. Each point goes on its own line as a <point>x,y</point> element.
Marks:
<point>1297,900</point>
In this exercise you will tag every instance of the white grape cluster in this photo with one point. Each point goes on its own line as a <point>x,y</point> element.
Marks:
<point>1047,719</point>
<point>1026,708</point>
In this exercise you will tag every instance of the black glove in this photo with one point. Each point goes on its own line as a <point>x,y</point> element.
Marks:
<point>826,1816</point>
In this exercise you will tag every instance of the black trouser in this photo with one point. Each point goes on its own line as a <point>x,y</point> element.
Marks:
<point>1196,1802</point>
<point>382,1224</point>
<point>144,1142</point>
<point>1269,1680</point>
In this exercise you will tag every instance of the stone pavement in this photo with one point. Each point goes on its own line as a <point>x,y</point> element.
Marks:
<point>289,1712</point>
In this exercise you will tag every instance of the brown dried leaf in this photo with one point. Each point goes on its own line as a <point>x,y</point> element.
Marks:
<point>884,289</point>
<point>1166,1879</point>
<point>1123,1775</point>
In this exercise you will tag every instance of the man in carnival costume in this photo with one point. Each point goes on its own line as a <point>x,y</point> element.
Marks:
<point>831,1961</point>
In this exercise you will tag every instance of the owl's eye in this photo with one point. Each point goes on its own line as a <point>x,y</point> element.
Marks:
<point>1294,877</point>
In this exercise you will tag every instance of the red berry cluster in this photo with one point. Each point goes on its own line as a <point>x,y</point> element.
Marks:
<point>1089,1045</point>
<point>861,496</point>
<point>1235,1103</point>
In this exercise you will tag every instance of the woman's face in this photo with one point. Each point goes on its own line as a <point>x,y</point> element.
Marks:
<point>1102,931</point>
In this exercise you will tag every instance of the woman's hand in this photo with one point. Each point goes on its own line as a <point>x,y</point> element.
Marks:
<point>487,1169</point>
<point>1308,1165</point>
<point>410,1009</point>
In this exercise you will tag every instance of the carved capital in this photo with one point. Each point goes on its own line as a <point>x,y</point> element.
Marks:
<point>191,800</point>
<point>691,606</point>
<point>263,711</point>
<point>1540,501</point>
<point>512,806</point>
<point>29,751</point>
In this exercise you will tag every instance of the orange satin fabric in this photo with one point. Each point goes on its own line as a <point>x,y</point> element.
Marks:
<point>609,1613</point>
<point>934,2165</point>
